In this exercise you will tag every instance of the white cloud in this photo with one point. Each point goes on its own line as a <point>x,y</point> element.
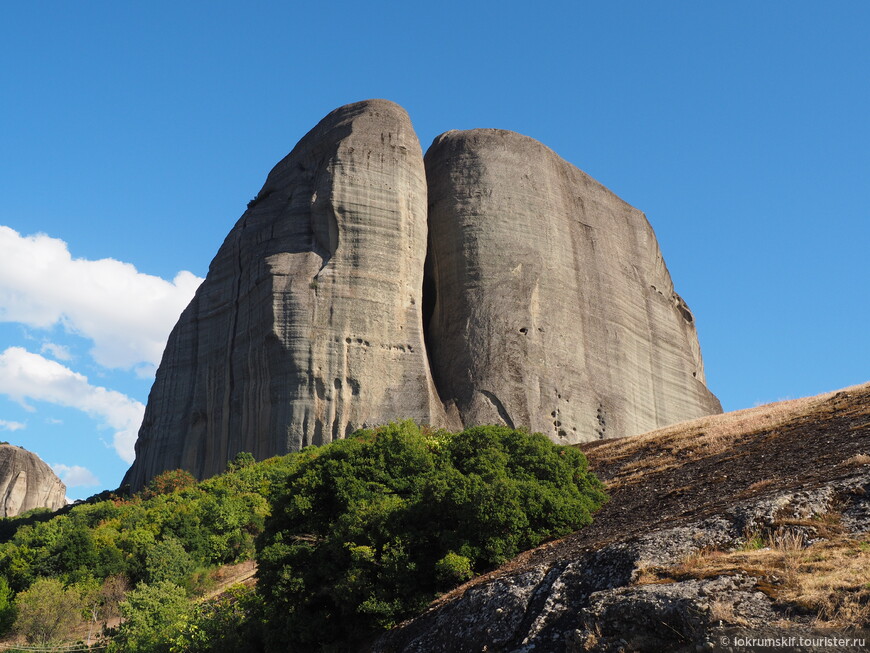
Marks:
<point>75,475</point>
<point>24,375</point>
<point>127,314</point>
<point>60,352</point>
<point>6,425</point>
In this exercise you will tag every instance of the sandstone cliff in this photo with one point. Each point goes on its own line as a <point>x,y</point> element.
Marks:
<point>26,482</point>
<point>752,524</point>
<point>546,300</point>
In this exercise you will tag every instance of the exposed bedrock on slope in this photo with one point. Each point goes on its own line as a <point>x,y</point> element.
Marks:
<point>547,302</point>
<point>553,308</point>
<point>308,325</point>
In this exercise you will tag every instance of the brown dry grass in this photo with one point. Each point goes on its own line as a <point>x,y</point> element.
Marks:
<point>857,459</point>
<point>829,579</point>
<point>713,435</point>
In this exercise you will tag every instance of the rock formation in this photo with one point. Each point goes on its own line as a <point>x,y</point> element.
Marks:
<point>554,308</point>
<point>309,324</point>
<point>26,482</point>
<point>549,304</point>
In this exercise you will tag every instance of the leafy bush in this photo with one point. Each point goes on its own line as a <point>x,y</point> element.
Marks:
<point>369,528</point>
<point>7,607</point>
<point>167,560</point>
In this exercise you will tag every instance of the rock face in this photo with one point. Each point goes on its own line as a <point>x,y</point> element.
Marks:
<point>554,308</point>
<point>546,301</point>
<point>26,482</point>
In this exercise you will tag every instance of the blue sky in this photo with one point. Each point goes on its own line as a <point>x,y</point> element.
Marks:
<point>137,132</point>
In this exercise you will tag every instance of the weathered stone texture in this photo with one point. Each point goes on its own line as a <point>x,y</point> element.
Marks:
<point>308,325</point>
<point>554,309</point>
<point>26,482</point>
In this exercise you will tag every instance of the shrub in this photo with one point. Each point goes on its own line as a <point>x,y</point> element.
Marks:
<point>452,569</point>
<point>7,607</point>
<point>242,459</point>
<point>167,560</point>
<point>368,528</point>
<point>226,623</point>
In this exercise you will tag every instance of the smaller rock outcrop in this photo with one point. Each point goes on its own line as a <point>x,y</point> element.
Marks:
<point>26,482</point>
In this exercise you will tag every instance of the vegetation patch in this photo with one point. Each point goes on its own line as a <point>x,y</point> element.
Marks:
<point>349,538</point>
<point>369,529</point>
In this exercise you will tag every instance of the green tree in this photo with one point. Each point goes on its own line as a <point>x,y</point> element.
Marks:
<point>75,555</point>
<point>153,615</point>
<point>7,607</point>
<point>369,528</point>
<point>168,561</point>
<point>242,459</point>
<point>47,612</point>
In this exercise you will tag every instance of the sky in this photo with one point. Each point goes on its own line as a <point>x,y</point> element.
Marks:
<point>132,135</point>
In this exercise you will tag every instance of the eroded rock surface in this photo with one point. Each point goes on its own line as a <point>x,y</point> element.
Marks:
<point>308,325</point>
<point>26,482</point>
<point>546,298</point>
<point>554,309</point>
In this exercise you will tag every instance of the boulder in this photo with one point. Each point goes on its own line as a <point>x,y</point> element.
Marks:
<point>26,482</point>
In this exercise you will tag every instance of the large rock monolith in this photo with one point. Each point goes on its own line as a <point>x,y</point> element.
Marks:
<point>309,323</point>
<point>545,300</point>
<point>553,308</point>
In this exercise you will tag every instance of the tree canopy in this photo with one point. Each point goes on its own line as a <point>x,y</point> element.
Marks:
<point>368,529</point>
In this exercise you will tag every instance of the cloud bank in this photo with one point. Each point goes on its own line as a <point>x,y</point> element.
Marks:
<point>26,376</point>
<point>128,315</point>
